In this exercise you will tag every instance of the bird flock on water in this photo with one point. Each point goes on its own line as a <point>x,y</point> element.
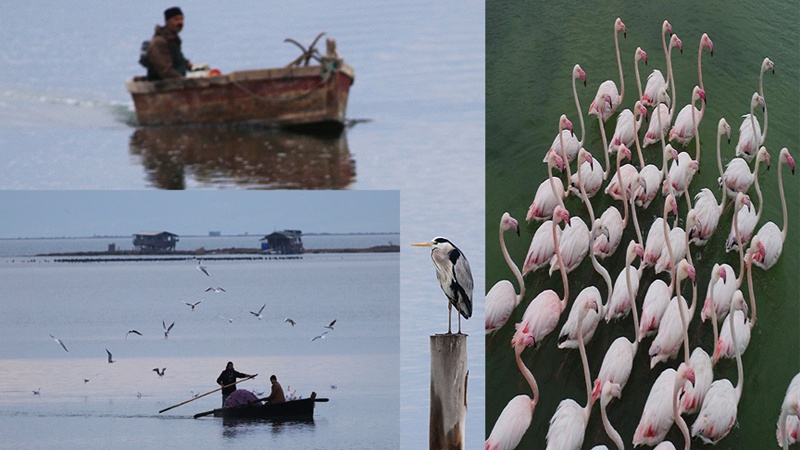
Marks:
<point>692,397</point>
<point>167,326</point>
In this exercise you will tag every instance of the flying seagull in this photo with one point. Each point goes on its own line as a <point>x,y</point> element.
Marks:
<point>132,331</point>
<point>167,328</point>
<point>231,318</point>
<point>86,380</point>
<point>109,357</point>
<point>58,341</point>
<point>192,305</point>
<point>215,289</point>
<point>330,325</point>
<point>290,321</point>
<point>321,336</point>
<point>202,268</point>
<point>37,391</point>
<point>160,372</point>
<point>258,314</point>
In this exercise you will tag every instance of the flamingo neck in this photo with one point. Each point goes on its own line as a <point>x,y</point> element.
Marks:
<point>619,65</point>
<point>606,276</point>
<point>713,307</point>
<point>678,418</point>
<point>740,380</point>
<point>637,228</point>
<point>638,79</point>
<point>684,324</point>
<point>580,114</point>
<point>585,197</point>
<point>719,163</point>
<point>639,146</point>
<point>754,123</point>
<point>672,86</point>
<point>526,373</point>
<point>563,303</point>
<point>564,156</point>
<point>785,229</point>
<point>605,146</point>
<point>785,440</point>
<point>553,182</point>
<point>513,267</point>
<point>633,305</point>
<point>696,134</point>
<point>663,145</point>
<point>761,93</point>
<point>699,65</point>
<point>738,236</point>
<point>750,290</point>
<point>612,433</point>
<point>581,347</point>
<point>666,52</point>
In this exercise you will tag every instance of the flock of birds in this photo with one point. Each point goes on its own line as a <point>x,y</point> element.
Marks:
<point>691,390</point>
<point>202,268</point>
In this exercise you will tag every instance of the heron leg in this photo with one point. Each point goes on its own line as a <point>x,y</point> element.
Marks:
<point>449,317</point>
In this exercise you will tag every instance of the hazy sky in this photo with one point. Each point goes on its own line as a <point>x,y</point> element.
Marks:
<point>88,213</point>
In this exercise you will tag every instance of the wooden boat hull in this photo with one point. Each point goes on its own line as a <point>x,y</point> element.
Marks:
<point>309,96</point>
<point>302,409</point>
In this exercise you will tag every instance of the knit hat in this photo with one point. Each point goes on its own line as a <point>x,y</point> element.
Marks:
<point>172,12</point>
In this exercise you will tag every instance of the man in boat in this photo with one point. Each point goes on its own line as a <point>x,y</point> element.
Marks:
<point>276,396</point>
<point>164,56</point>
<point>228,376</point>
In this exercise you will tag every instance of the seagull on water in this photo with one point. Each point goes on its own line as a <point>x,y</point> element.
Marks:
<point>109,357</point>
<point>215,289</point>
<point>160,372</point>
<point>330,325</point>
<point>202,267</point>
<point>258,314</point>
<point>132,331</point>
<point>192,305</point>
<point>86,380</point>
<point>290,321</point>
<point>167,328</point>
<point>321,336</point>
<point>37,391</point>
<point>58,341</point>
<point>230,319</point>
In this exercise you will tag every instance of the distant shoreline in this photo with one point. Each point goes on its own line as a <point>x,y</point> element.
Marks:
<point>189,254</point>
<point>190,236</point>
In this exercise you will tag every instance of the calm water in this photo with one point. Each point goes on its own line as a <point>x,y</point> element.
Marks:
<point>65,116</point>
<point>529,62</point>
<point>92,306</point>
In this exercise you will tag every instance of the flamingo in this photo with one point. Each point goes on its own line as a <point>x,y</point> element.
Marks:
<point>789,420</point>
<point>655,303</point>
<point>613,222</point>
<point>750,136</point>
<point>718,413</point>
<point>707,210</point>
<point>549,194</point>
<point>683,131</point>
<point>627,126</point>
<point>723,289</point>
<point>769,235</point>
<point>737,176</point>
<point>568,424</point>
<point>610,390</point>
<point>621,299</point>
<point>670,335</point>
<point>574,244</point>
<point>656,80</point>
<point>639,55</point>
<point>542,247</point>
<point>660,408</point>
<point>654,244</point>
<point>676,414</point>
<point>665,108</point>
<point>568,337</point>
<point>650,178</point>
<point>623,178</point>
<point>570,143</point>
<point>502,298</point>
<point>679,241</point>
<point>748,219</point>
<point>591,171</point>
<point>618,360</point>
<point>516,416</point>
<point>599,106</point>
<point>543,312</point>
<point>705,42</point>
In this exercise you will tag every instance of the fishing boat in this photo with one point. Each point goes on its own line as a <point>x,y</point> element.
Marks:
<point>301,95</point>
<point>302,409</point>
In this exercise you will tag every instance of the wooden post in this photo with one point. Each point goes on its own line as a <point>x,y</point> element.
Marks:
<point>448,391</point>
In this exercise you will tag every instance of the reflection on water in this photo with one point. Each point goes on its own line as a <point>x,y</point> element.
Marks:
<point>234,428</point>
<point>227,157</point>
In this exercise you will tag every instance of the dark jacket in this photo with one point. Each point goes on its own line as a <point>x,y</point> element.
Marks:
<point>276,395</point>
<point>164,56</point>
<point>227,377</point>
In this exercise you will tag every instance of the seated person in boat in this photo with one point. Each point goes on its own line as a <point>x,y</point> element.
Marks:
<point>226,378</point>
<point>164,58</point>
<point>276,396</point>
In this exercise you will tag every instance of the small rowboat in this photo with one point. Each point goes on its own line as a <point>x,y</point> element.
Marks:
<point>302,409</point>
<point>309,97</point>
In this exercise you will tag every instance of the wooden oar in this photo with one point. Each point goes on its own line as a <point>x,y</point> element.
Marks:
<point>209,392</point>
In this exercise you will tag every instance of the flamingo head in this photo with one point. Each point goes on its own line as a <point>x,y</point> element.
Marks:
<point>670,204</point>
<point>586,156</point>
<point>671,152</point>
<point>737,302</point>
<point>596,390</point>
<point>757,101</point>
<point>675,41</point>
<point>724,128</point>
<point>757,249</point>
<point>763,155</point>
<point>577,72</point>
<point>509,223</point>
<point>641,55</point>
<point>619,26</point>
<point>666,27</point>
<point>698,93</point>
<point>560,214</point>
<point>742,199</point>
<point>721,272</point>
<point>695,166</point>
<point>565,124</point>
<point>767,65</point>
<point>787,157</point>
<point>555,160</point>
<point>638,249</point>
<point>686,372</point>
<point>705,41</point>
<point>624,152</point>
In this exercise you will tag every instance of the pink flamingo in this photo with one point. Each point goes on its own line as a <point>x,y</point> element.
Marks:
<point>656,80</point>
<point>568,424</point>
<point>599,106</point>
<point>591,171</point>
<point>502,298</point>
<point>614,223</point>
<point>705,42</point>
<point>706,208</point>
<point>718,413</point>
<point>789,420</point>
<point>627,126</point>
<point>542,248</point>
<point>679,240</point>
<point>748,218</point>
<point>574,244</point>
<point>516,416</point>
<point>769,235</point>
<point>549,193</point>
<point>610,390</point>
<point>654,244</point>
<point>660,410</point>
<point>618,360</point>
<point>750,136</point>
<point>683,130</point>
<point>639,55</point>
<point>662,111</point>
<point>621,299</point>
<point>651,176</point>
<point>543,312</point>
<point>571,144</point>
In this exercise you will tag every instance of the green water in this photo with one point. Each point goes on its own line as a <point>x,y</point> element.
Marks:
<point>530,51</point>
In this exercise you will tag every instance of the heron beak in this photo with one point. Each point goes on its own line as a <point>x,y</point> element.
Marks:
<point>422,244</point>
